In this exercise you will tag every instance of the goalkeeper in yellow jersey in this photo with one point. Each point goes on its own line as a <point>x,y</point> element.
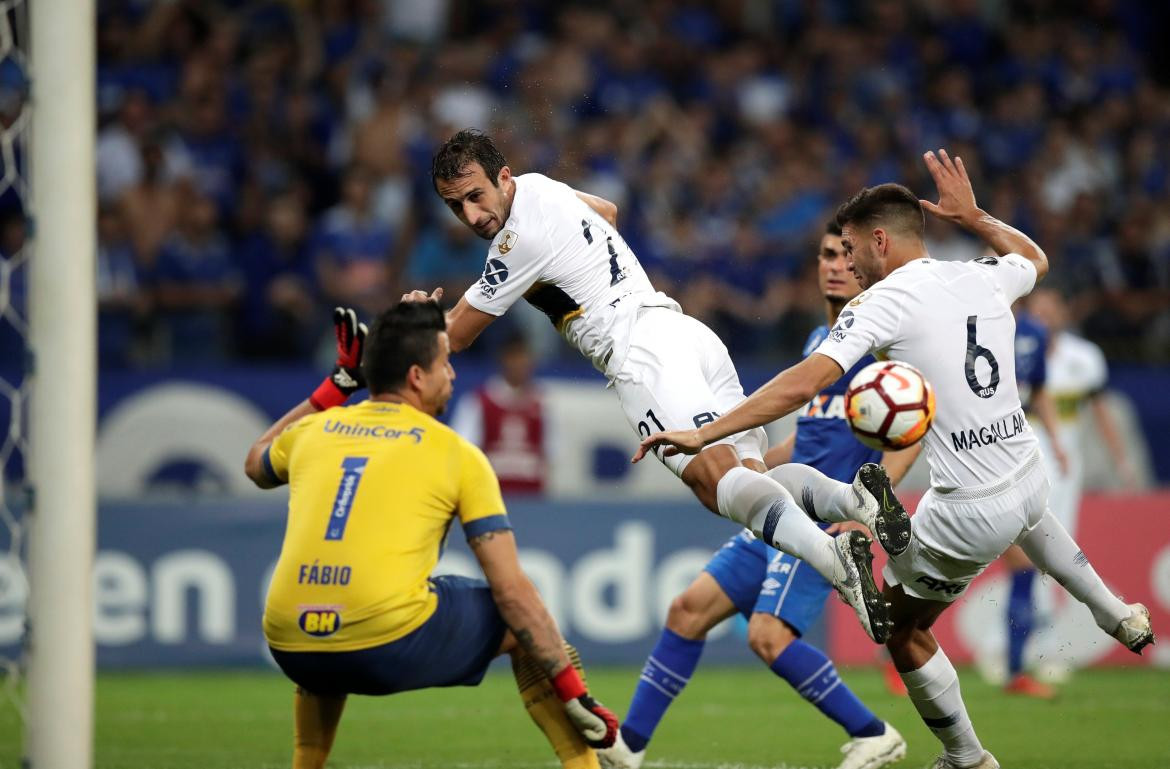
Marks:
<point>374,488</point>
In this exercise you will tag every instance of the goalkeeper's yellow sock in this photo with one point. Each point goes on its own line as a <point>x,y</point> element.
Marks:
<point>547,710</point>
<point>315,719</point>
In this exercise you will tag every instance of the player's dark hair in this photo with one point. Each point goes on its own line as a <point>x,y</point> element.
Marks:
<point>888,205</point>
<point>405,335</point>
<point>832,228</point>
<point>468,146</point>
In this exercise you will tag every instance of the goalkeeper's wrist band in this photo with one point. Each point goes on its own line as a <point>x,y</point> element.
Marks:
<point>568,684</point>
<point>327,395</point>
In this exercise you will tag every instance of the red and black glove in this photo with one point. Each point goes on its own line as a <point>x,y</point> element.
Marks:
<point>594,721</point>
<point>346,378</point>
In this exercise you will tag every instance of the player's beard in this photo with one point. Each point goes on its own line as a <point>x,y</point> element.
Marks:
<point>493,224</point>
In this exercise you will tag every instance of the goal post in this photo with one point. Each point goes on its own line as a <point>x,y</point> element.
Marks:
<point>63,325</point>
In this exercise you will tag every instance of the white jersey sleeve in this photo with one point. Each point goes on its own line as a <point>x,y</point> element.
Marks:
<point>868,324</point>
<point>1011,272</point>
<point>1097,370</point>
<point>514,263</point>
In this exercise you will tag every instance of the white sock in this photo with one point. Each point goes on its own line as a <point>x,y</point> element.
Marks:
<point>759,503</point>
<point>1054,552</point>
<point>934,690</point>
<point>823,498</point>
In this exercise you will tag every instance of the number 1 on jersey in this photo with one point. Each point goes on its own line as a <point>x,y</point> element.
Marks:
<point>352,470</point>
<point>615,272</point>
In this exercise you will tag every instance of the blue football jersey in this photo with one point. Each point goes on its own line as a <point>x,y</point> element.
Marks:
<point>1031,371</point>
<point>823,437</point>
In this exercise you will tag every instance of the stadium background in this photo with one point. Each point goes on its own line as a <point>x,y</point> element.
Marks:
<point>261,162</point>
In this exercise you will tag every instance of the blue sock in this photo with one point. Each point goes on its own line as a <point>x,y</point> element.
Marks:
<point>815,678</point>
<point>1020,617</point>
<point>667,671</point>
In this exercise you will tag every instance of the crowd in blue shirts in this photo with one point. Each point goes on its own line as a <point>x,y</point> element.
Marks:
<point>260,161</point>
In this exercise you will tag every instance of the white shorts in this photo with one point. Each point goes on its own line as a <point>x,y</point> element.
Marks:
<point>958,533</point>
<point>677,375</point>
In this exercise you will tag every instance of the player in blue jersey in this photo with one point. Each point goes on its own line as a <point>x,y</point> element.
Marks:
<point>1031,373</point>
<point>780,595</point>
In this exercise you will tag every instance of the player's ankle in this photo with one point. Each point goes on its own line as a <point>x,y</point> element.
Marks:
<point>634,741</point>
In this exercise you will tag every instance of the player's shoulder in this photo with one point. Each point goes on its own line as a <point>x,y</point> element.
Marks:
<point>1075,346</point>
<point>534,188</point>
<point>1010,267</point>
<point>310,420</point>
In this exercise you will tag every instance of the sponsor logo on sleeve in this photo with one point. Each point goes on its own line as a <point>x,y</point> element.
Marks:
<point>495,272</point>
<point>990,260</point>
<point>844,323</point>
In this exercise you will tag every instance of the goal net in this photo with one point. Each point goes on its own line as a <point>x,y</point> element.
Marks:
<point>14,254</point>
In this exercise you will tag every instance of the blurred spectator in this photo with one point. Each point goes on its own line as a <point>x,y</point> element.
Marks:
<point>448,255</point>
<point>353,249</point>
<point>279,315</point>
<point>205,148</point>
<point>693,116</point>
<point>151,206</point>
<point>122,302</point>
<point>196,284</point>
<point>505,417</point>
<point>119,147</point>
<point>1134,311</point>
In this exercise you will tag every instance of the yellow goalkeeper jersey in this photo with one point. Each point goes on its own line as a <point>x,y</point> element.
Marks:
<point>373,489</point>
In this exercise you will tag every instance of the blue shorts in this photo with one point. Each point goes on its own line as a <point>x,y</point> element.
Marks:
<point>452,648</point>
<point>759,578</point>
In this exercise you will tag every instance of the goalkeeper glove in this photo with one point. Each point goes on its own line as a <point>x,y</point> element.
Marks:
<point>595,722</point>
<point>346,378</point>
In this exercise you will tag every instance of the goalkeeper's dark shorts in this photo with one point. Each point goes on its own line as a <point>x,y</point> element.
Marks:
<point>452,648</point>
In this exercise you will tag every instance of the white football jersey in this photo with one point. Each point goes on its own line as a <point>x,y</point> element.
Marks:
<point>568,262</point>
<point>1076,372</point>
<point>953,321</point>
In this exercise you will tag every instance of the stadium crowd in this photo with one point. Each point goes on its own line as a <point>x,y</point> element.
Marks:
<point>261,161</point>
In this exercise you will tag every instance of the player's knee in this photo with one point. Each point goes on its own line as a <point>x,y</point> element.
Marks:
<point>686,618</point>
<point>768,637</point>
<point>703,473</point>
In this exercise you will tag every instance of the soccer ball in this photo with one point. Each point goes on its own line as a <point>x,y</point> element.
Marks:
<point>889,405</point>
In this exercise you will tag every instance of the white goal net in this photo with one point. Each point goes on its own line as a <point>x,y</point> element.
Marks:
<point>14,253</point>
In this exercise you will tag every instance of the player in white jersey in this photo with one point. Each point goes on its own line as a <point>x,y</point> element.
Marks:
<point>988,488</point>
<point>1077,375</point>
<point>560,250</point>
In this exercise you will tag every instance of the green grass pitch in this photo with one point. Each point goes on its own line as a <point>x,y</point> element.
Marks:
<point>736,718</point>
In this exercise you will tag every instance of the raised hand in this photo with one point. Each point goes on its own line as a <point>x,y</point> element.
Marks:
<point>956,198</point>
<point>422,296</point>
<point>346,378</point>
<point>676,441</point>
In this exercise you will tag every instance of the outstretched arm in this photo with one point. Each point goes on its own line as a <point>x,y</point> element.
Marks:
<point>956,203</point>
<point>334,390</point>
<point>788,390</point>
<point>255,466</point>
<point>464,322</point>
<point>536,632</point>
<point>1112,435</point>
